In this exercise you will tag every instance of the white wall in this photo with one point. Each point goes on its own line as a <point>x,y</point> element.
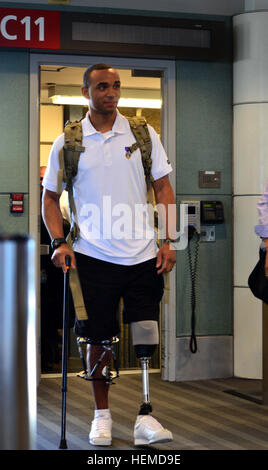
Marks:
<point>250,96</point>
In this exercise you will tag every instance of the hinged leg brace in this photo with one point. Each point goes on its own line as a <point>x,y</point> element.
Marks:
<point>106,372</point>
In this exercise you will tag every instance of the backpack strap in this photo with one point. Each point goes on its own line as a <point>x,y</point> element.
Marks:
<point>77,294</point>
<point>141,133</point>
<point>68,163</point>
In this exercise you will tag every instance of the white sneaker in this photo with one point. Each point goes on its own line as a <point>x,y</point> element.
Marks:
<point>148,430</point>
<point>101,431</point>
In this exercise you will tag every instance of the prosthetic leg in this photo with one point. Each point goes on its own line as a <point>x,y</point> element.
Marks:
<point>147,430</point>
<point>145,338</point>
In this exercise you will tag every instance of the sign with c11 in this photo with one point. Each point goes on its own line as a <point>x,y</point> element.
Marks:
<point>39,29</point>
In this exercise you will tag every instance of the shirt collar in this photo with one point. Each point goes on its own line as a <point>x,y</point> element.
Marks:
<point>120,125</point>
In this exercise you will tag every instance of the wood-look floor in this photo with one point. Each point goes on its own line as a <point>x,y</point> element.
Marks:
<point>200,414</point>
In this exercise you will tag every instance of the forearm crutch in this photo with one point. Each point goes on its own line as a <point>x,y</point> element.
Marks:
<point>63,442</point>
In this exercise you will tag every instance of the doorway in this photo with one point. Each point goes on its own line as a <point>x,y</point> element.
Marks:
<point>59,75</point>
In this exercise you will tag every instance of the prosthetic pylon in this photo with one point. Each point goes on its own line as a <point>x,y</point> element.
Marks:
<point>146,406</point>
<point>144,354</point>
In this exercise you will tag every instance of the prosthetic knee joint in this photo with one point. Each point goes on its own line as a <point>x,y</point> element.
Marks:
<point>145,338</point>
<point>107,347</point>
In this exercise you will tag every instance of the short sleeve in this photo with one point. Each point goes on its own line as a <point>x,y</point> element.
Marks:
<point>161,166</point>
<point>50,180</point>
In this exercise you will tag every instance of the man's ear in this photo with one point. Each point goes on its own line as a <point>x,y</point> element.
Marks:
<point>85,92</point>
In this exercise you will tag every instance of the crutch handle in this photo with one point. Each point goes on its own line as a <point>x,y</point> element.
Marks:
<point>68,261</point>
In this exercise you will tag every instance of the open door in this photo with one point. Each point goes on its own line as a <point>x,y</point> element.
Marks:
<point>145,77</point>
<point>61,101</point>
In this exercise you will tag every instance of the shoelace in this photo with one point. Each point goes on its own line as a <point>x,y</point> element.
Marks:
<point>152,422</point>
<point>102,425</point>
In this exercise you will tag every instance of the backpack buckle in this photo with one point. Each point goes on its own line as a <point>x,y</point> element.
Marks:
<point>74,148</point>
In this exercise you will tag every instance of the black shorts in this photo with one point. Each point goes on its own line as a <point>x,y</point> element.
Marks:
<point>104,284</point>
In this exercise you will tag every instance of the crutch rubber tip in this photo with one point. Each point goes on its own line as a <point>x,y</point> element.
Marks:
<point>63,444</point>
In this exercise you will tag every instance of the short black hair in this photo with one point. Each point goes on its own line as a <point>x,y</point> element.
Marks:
<point>90,69</point>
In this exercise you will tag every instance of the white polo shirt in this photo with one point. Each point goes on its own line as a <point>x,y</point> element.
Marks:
<point>110,193</point>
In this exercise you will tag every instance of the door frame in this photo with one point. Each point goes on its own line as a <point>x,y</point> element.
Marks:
<point>168,327</point>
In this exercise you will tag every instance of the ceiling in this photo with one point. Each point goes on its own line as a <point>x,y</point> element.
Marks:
<point>205,7</point>
<point>59,75</point>
<point>74,76</point>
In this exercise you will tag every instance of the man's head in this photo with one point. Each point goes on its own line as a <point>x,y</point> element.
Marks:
<point>89,70</point>
<point>101,85</point>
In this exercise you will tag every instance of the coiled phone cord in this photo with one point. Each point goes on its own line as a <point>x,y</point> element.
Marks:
<point>193,273</point>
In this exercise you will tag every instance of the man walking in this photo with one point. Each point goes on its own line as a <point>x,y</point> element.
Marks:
<point>111,267</point>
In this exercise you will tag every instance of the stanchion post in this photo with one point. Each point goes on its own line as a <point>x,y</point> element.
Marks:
<point>17,343</point>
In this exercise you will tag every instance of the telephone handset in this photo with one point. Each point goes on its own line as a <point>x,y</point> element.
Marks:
<point>211,212</point>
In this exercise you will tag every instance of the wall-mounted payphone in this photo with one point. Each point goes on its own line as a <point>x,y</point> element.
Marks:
<point>202,218</point>
<point>211,212</point>
<point>204,213</point>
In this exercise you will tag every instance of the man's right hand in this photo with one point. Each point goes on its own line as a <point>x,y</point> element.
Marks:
<point>59,255</point>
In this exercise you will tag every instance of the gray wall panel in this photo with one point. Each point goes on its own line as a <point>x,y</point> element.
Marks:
<point>204,120</point>
<point>14,121</point>
<point>204,142</point>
